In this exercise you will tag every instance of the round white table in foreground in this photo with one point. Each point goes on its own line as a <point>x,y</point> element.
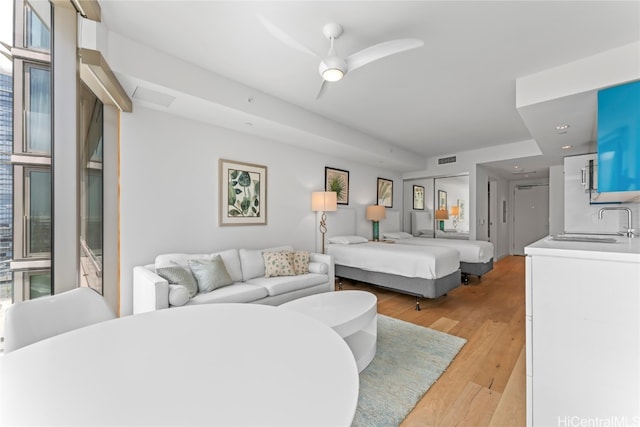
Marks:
<point>220,364</point>
<point>352,314</point>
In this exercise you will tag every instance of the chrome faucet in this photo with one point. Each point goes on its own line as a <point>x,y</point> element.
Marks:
<point>630,231</point>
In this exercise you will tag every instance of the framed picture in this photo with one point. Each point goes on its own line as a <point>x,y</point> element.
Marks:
<point>418,197</point>
<point>243,193</point>
<point>385,192</point>
<point>442,200</point>
<point>337,180</point>
<point>461,209</point>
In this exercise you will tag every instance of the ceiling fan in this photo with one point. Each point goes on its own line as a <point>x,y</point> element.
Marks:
<point>334,67</point>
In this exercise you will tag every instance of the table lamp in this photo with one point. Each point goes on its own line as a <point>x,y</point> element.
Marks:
<point>455,212</point>
<point>375,213</point>
<point>324,201</point>
<point>441,215</point>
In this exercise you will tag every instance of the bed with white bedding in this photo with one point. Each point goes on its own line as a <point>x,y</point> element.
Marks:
<point>427,272</point>
<point>476,256</point>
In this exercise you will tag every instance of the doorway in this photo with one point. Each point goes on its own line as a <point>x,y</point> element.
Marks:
<point>531,215</point>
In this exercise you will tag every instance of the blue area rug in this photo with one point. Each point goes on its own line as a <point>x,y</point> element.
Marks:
<point>409,359</point>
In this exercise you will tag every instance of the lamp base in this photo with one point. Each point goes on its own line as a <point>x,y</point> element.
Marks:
<point>376,231</point>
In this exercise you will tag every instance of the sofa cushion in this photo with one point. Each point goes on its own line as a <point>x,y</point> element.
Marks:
<point>178,295</point>
<point>210,274</point>
<point>284,284</point>
<point>179,275</point>
<point>278,263</point>
<point>235,293</point>
<point>301,262</point>
<point>252,262</point>
<point>232,262</point>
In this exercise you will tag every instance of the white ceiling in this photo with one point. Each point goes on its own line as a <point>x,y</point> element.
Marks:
<point>456,93</point>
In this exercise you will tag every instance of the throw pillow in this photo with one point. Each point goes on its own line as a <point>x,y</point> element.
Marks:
<point>278,263</point>
<point>210,274</point>
<point>178,295</point>
<point>301,262</point>
<point>179,275</point>
<point>347,240</point>
<point>318,268</point>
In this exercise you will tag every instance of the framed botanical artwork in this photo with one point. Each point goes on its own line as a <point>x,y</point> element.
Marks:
<point>243,193</point>
<point>418,197</point>
<point>442,200</point>
<point>337,180</point>
<point>385,192</point>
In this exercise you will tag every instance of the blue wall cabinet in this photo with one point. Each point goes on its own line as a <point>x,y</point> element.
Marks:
<point>619,138</point>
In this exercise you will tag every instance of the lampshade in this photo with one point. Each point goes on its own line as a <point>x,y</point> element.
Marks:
<point>455,211</point>
<point>324,201</point>
<point>442,214</point>
<point>376,213</point>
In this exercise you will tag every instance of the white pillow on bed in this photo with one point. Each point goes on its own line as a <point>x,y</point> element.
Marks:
<point>347,240</point>
<point>397,235</point>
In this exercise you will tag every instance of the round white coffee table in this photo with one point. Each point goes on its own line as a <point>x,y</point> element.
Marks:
<point>352,314</point>
<point>210,364</point>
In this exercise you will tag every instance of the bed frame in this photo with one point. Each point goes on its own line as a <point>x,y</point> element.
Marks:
<point>421,220</point>
<point>343,222</point>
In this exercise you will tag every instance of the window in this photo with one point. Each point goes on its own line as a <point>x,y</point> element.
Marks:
<point>37,105</point>
<point>38,209</point>
<point>37,34</point>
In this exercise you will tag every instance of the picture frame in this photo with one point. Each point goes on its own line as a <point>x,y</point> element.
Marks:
<point>418,198</point>
<point>337,180</point>
<point>462,209</point>
<point>385,192</point>
<point>242,193</point>
<point>442,200</point>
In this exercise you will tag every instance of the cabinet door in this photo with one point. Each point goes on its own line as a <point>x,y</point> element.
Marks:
<point>619,138</point>
<point>585,331</point>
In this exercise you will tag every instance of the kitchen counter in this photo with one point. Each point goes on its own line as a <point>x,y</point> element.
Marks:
<point>624,249</point>
<point>582,322</point>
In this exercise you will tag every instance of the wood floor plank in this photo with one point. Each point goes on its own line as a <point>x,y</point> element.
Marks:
<point>510,410</point>
<point>472,407</point>
<point>443,324</point>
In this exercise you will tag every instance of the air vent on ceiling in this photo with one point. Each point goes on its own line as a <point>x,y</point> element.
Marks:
<point>445,160</point>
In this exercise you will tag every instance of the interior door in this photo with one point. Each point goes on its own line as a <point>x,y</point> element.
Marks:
<point>531,215</point>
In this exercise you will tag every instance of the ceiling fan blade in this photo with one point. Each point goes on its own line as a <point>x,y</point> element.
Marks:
<point>322,85</point>
<point>284,37</point>
<point>380,50</point>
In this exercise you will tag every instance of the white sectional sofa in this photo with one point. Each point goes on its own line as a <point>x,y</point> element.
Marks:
<point>246,269</point>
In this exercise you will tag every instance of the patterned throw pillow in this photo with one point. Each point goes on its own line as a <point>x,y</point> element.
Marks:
<point>210,274</point>
<point>179,275</point>
<point>301,262</point>
<point>278,263</point>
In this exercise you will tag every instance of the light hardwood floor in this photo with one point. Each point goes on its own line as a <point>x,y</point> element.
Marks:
<point>485,384</point>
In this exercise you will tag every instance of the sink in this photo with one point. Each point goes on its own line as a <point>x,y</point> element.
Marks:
<point>578,238</point>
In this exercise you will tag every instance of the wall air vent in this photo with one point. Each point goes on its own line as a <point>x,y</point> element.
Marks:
<point>445,160</point>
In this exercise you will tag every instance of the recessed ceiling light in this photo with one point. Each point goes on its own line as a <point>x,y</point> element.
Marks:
<point>516,167</point>
<point>562,127</point>
<point>566,147</point>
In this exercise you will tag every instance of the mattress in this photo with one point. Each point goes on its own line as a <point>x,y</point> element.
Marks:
<point>472,251</point>
<point>427,262</point>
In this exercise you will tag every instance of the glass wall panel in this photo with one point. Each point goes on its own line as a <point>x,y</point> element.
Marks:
<point>38,188</point>
<point>91,212</point>
<point>39,284</point>
<point>37,17</point>
<point>38,109</point>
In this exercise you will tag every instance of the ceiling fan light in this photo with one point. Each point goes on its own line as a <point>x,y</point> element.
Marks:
<point>332,74</point>
<point>333,69</point>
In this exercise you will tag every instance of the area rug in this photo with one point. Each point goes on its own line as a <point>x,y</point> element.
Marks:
<point>409,359</point>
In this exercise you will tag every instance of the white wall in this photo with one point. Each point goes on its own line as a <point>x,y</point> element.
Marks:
<point>556,199</point>
<point>169,190</point>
